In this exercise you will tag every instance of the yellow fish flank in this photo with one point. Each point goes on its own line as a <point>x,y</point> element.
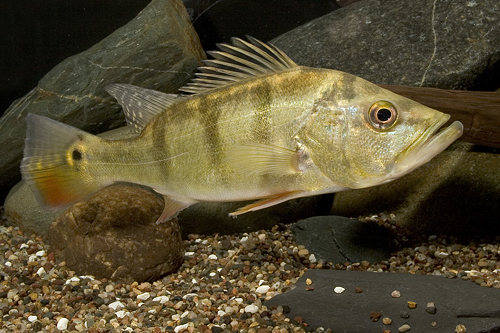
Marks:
<point>254,126</point>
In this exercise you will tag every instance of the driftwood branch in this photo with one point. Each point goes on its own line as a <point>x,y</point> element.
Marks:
<point>479,111</point>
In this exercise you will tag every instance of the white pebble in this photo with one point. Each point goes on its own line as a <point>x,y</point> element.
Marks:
<point>262,289</point>
<point>8,264</point>
<point>122,313</point>
<point>144,296</point>
<point>62,324</point>
<point>32,318</point>
<point>252,308</point>
<point>179,328</point>
<point>24,246</point>
<point>32,259</point>
<point>312,259</point>
<point>40,253</point>
<point>188,254</point>
<point>161,299</point>
<point>73,279</point>
<point>41,271</point>
<point>116,305</point>
<point>212,257</point>
<point>339,290</point>
<point>441,255</point>
<point>220,313</point>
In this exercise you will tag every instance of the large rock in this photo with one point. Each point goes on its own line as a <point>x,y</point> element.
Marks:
<point>456,193</point>
<point>455,302</point>
<point>453,44</point>
<point>113,235</point>
<point>159,49</point>
<point>338,239</point>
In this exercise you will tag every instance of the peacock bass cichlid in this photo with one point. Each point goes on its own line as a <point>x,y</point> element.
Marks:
<point>255,125</point>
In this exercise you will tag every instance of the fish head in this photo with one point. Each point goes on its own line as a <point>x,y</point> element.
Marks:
<point>374,136</point>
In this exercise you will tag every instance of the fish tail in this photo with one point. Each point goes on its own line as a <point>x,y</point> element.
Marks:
<point>55,164</point>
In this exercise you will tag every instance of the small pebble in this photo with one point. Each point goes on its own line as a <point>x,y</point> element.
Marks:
<point>404,328</point>
<point>262,289</point>
<point>396,294</point>
<point>412,305</point>
<point>308,282</point>
<point>460,329</point>
<point>116,305</point>
<point>375,316</point>
<point>358,290</point>
<point>62,324</point>
<point>387,321</point>
<point>252,308</point>
<point>339,290</point>
<point>404,315</point>
<point>431,308</point>
<point>144,296</point>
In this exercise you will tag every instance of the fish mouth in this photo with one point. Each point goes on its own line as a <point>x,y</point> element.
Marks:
<point>432,142</point>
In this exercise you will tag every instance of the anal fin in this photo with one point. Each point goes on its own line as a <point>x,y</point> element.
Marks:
<point>171,209</point>
<point>267,202</point>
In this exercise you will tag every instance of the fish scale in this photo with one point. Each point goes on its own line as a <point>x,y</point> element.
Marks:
<point>254,125</point>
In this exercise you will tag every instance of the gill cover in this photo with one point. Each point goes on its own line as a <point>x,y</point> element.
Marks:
<point>55,162</point>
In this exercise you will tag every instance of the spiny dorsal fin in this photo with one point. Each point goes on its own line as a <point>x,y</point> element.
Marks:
<point>236,62</point>
<point>140,105</point>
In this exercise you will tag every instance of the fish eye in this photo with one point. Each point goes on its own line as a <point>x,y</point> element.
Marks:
<point>76,155</point>
<point>382,115</point>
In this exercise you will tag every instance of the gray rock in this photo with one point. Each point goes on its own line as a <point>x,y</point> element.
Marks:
<point>456,301</point>
<point>339,239</point>
<point>212,217</point>
<point>113,235</point>
<point>444,44</point>
<point>456,193</point>
<point>22,209</point>
<point>159,49</point>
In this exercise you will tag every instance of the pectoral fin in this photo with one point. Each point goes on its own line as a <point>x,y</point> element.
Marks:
<point>172,208</point>
<point>257,158</point>
<point>268,202</point>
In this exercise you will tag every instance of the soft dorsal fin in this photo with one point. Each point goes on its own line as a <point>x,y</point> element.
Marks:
<point>140,105</point>
<point>238,61</point>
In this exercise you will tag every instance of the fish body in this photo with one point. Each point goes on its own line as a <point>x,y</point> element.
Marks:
<point>257,126</point>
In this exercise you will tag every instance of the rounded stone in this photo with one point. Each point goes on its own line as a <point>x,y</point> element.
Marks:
<point>113,235</point>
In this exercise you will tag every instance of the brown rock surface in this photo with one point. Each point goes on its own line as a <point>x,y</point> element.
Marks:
<point>113,235</point>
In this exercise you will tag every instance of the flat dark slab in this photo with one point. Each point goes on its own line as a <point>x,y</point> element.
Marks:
<point>456,301</point>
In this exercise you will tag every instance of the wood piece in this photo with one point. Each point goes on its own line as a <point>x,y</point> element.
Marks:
<point>479,111</point>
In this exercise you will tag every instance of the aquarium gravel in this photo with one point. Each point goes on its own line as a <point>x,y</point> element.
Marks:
<point>220,287</point>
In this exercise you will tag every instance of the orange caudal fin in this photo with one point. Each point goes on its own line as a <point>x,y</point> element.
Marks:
<point>54,163</point>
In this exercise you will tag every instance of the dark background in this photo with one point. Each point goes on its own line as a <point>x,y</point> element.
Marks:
<point>38,34</point>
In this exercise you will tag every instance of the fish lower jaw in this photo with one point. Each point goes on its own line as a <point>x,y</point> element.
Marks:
<point>434,144</point>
